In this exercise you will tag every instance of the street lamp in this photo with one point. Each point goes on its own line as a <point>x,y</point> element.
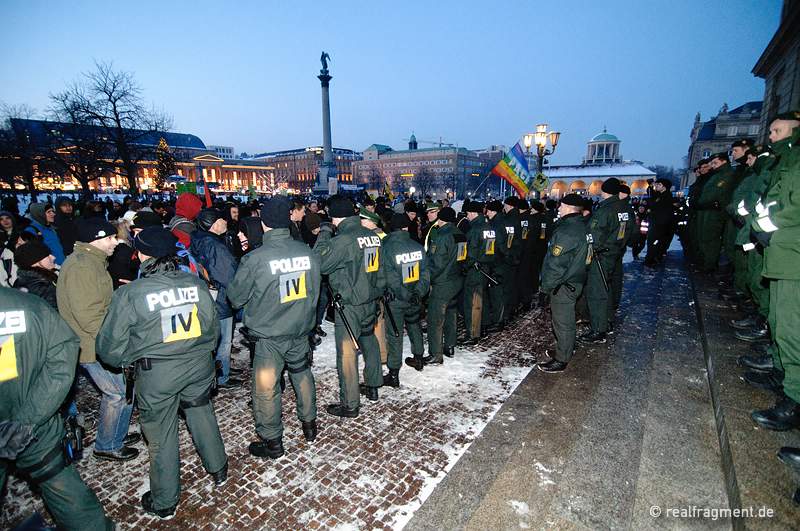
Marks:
<point>540,139</point>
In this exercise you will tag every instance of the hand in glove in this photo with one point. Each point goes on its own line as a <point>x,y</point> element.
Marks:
<point>762,238</point>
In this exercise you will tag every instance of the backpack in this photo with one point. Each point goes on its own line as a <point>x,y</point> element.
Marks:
<point>189,264</point>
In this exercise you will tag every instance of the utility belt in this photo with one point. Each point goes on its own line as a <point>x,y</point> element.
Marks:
<point>63,454</point>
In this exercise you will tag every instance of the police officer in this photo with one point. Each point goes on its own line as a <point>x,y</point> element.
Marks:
<point>480,254</point>
<point>716,194</point>
<point>352,261</point>
<point>494,313</point>
<point>372,222</point>
<point>39,354</point>
<point>405,268</point>
<point>524,279</point>
<point>541,228</point>
<point>563,276</point>
<point>278,287</point>
<point>514,243</point>
<point>446,283</point>
<point>166,324</point>
<point>608,239</point>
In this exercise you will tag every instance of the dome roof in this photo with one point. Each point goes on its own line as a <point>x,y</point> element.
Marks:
<point>413,138</point>
<point>605,136</point>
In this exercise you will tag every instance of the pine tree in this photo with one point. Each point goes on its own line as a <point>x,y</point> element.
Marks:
<point>165,164</point>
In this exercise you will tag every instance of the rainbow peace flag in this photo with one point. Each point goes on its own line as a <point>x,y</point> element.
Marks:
<point>514,170</point>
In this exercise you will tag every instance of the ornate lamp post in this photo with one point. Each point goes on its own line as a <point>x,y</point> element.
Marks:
<point>539,139</point>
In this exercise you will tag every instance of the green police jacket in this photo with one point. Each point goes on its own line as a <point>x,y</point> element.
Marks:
<point>514,242</point>
<point>405,266</point>
<point>541,229</point>
<point>38,357</point>
<point>501,250</point>
<point>165,315</point>
<point>746,196</point>
<point>608,234</point>
<point>569,254</point>
<point>443,255</point>
<point>718,189</point>
<point>627,220</point>
<point>352,261</point>
<point>278,286</point>
<point>778,212</point>
<point>480,243</point>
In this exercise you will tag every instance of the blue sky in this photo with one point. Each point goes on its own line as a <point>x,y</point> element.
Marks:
<point>473,73</point>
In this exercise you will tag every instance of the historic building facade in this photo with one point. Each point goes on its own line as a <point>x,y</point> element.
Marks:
<point>296,169</point>
<point>718,133</point>
<point>603,160</point>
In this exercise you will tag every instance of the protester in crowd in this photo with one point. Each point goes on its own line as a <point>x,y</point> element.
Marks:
<point>43,216</point>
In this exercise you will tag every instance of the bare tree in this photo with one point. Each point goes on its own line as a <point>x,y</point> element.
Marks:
<point>424,181</point>
<point>112,100</point>
<point>21,148</point>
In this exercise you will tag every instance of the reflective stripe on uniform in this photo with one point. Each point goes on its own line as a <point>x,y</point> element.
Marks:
<point>766,224</point>
<point>748,246</point>
<point>741,209</point>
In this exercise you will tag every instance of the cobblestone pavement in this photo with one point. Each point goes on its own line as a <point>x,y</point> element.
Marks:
<point>372,472</point>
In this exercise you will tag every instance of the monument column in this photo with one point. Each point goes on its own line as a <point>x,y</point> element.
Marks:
<point>327,176</point>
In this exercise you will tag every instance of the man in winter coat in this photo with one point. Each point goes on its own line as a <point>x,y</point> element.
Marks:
<point>43,216</point>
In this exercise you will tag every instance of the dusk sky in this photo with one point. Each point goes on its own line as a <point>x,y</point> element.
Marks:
<point>474,73</point>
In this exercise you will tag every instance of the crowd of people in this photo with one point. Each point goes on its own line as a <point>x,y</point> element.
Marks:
<point>744,228</point>
<point>144,298</point>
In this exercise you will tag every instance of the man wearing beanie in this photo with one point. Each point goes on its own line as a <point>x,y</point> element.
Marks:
<point>209,248</point>
<point>182,224</point>
<point>494,315</point>
<point>36,273</point>
<point>278,286</point>
<point>446,283</point>
<point>405,268</point>
<point>480,253</point>
<point>84,292</point>
<point>43,217</point>
<point>563,276</point>
<point>608,241</point>
<point>352,262</point>
<point>514,243</point>
<point>164,324</point>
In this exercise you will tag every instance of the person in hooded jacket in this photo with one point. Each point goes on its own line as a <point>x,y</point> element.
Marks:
<point>231,214</point>
<point>182,224</point>
<point>36,272</point>
<point>208,247</point>
<point>43,216</point>
<point>65,224</point>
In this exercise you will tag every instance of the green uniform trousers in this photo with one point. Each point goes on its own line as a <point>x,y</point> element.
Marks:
<point>562,310</point>
<point>494,311</point>
<point>71,503</point>
<point>710,231</point>
<point>442,315</point>
<point>271,355</point>
<point>362,319</point>
<point>511,292</point>
<point>785,315</point>
<point>169,385</point>
<point>757,285</point>
<point>616,287</point>
<point>472,298</point>
<point>406,316</point>
<point>599,298</point>
<point>736,255</point>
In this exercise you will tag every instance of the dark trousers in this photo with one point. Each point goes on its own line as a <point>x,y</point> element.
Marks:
<point>562,309</point>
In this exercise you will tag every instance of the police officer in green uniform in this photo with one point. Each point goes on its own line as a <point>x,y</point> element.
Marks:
<point>352,261</point>
<point>702,173</point>
<point>514,243</point>
<point>524,280</point>
<point>165,323</point>
<point>715,196</point>
<point>776,227</point>
<point>38,357</point>
<point>446,283</point>
<point>494,316</point>
<point>608,239</point>
<point>563,276</point>
<point>627,220</point>
<point>405,269</point>
<point>278,287</point>
<point>735,222</point>
<point>480,254</point>
<point>541,226</point>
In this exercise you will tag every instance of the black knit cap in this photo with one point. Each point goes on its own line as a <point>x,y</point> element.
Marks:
<point>495,206</point>
<point>144,219</point>
<point>610,186</point>
<point>789,115</point>
<point>475,206</point>
<point>742,143</point>
<point>511,201</point>
<point>399,222</point>
<point>340,206</point>
<point>523,204</point>
<point>156,242</point>
<point>666,182</point>
<point>275,212</point>
<point>29,253</point>
<point>624,189</point>
<point>446,214</point>
<point>91,229</point>
<point>207,217</point>
<point>538,206</point>
<point>572,200</point>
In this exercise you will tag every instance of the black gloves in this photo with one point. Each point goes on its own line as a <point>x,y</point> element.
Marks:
<point>762,238</point>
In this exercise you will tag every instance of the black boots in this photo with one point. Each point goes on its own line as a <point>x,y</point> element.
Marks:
<point>790,456</point>
<point>552,366</point>
<point>415,362</point>
<point>746,323</point>
<point>450,351</point>
<point>339,410</point>
<point>392,378</point>
<point>370,392</point>
<point>768,381</point>
<point>784,415</point>
<point>272,448</point>
<point>595,338</point>
<point>147,505</point>
<point>433,359</point>
<point>309,430</point>
<point>757,363</point>
<point>220,477</point>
